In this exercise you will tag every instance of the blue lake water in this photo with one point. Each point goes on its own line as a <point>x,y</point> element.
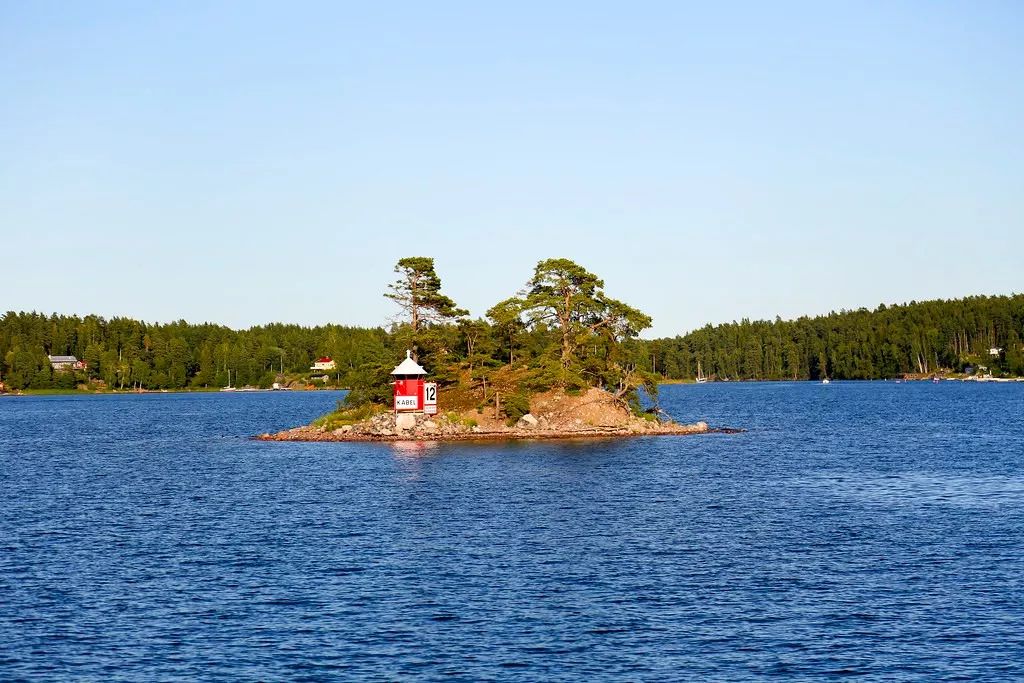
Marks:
<point>871,529</point>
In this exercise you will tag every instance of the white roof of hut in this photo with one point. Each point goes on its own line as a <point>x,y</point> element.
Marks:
<point>409,366</point>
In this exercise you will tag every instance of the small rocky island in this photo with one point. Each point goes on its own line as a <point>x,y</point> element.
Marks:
<point>553,362</point>
<point>553,415</point>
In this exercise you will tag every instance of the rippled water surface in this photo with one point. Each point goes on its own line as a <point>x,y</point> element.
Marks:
<point>871,529</point>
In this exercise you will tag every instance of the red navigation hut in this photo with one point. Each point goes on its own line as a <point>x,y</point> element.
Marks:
<point>412,393</point>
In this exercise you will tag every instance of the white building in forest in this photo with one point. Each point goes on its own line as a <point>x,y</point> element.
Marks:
<point>62,363</point>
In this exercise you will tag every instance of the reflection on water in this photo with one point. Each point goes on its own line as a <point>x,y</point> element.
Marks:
<point>409,456</point>
<point>412,449</point>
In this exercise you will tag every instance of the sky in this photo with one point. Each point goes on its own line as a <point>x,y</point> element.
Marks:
<point>249,162</point>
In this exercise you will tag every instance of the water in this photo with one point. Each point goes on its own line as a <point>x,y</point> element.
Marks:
<point>871,529</point>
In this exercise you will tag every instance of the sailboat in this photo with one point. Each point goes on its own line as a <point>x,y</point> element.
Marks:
<point>701,378</point>
<point>229,387</point>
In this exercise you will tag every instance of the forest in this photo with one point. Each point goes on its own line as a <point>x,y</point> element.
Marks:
<point>917,338</point>
<point>562,330</point>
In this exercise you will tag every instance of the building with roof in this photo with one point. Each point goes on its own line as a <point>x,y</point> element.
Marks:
<point>322,368</point>
<point>63,363</point>
<point>324,364</point>
<point>411,393</point>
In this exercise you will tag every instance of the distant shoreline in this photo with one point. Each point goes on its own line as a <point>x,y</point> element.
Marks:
<point>126,392</point>
<point>667,382</point>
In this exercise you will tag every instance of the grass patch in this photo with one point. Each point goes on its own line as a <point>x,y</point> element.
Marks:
<point>348,416</point>
<point>456,419</point>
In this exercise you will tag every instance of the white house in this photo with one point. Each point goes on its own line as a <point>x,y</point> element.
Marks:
<point>61,363</point>
<point>994,351</point>
<point>325,364</point>
<point>322,368</point>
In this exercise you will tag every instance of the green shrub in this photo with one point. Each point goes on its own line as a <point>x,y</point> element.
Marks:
<point>347,415</point>
<point>515,406</point>
<point>456,419</point>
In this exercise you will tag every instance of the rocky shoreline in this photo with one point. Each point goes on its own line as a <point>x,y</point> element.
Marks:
<point>553,415</point>
<point>389,427</point>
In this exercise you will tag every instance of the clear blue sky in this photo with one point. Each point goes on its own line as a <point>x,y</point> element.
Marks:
<point>247,162</point>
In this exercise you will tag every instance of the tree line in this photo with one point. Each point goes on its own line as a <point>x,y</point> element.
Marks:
<point>125,353</point>
<point>890,341</point>
<point>561,330</point>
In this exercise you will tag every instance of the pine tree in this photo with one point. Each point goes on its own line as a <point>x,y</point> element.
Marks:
<point>418,293</point>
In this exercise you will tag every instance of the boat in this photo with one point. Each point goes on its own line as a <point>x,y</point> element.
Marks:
<point>701,378</point>
<point>826,381</point>
<point>229,387</point>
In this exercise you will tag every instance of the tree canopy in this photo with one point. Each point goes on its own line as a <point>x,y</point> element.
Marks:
<point>889,341</point>
<point>417,291</point>
<point>567,298</point>
<point>560,330</point>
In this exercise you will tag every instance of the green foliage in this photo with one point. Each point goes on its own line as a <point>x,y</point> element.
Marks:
<point>522,343</point>
<point>919,337</point>
<point>417,292</point>
<point>568,297</point>
<point>515,406</point>
<point>456,419</point>
<point>369,385</point>
<point>570,330</point>
<point>507,327</point>
<point>127,353</point>
<point>346,415</point>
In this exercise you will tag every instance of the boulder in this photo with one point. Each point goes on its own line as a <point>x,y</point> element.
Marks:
<point>527,421</point>
<point>429,426</point>
<point>404,422</point>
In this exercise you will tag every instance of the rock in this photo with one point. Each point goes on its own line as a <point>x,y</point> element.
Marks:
<point>429,426</point>
<point>476,429</point>
<point>527,421</point>
<point>543,423</point>
<point>405,422</point>
<point>385,432</point>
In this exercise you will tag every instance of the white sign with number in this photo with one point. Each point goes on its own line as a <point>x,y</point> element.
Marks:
<point>430,398</point>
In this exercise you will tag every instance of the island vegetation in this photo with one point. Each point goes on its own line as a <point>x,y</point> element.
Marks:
<point>561,332</point>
